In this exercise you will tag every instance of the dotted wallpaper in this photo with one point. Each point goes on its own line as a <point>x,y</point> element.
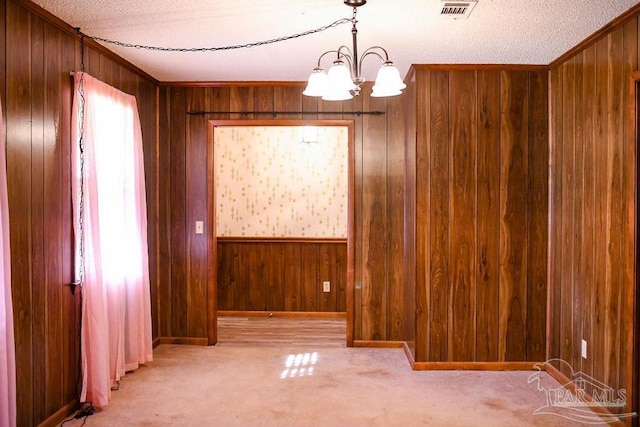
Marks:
<point>271,184</point>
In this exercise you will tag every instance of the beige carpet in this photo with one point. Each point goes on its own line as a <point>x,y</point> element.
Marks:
<point>241,386</point>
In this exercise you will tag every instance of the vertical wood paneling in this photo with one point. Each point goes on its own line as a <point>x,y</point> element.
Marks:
<point>358,215</point>
<point>241,98</point>
<point>165,228</point>
<point>18,113</point>
<point>513,215</point>
<point>310,287</point>
<point>226,276</point>
<point>292,277</point>
<point>567,219</point>
<point>374,222</point>
<point>71,302</point>
<point>481,160</point>
<point>488,214</point>
<point>411,111</point>
<point>288,98</point>
<point>196,201</point>
<point>600,134</point>
<point>627,366</point>
<point>36,57</point>
<point>52,200</point>
<point>578,284</point>
<point>537,226</point>
<point>588,265</point>
<point>395,215</point>
<point>241,278</point>
<point>555,189</point>
<point>179,226</point>
<point>439,217</point>
<point>595,268</point>
<point>38,289</point>
<point>287,271</point>
<point>462,217</point>
<point>615,140</point>
<point>423,253</point>
<point>275,286</point>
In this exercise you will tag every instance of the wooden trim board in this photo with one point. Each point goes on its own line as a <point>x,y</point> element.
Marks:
<point>296,314</point>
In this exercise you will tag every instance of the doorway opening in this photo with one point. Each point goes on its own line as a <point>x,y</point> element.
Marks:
<point>277,243</point>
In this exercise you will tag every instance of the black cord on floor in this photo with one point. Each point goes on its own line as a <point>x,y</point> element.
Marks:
<point>83,412</point>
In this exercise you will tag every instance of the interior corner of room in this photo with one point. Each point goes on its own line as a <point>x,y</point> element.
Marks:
<point>484,219</point>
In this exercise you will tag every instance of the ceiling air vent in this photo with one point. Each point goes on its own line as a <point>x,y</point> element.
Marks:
<point>457,9</point>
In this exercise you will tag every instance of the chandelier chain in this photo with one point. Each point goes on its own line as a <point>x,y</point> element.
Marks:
<point>219,48</point>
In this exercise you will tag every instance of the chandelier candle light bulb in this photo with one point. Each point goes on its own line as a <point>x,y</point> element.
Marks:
<point>342,82</point>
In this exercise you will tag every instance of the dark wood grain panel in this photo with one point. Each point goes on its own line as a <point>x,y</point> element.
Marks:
<point>274,278</point>
<point>488,216</point>
<point>225,276</point>
<point>310,285</point>
<point>281,275</point>
<point>241,277</point>
<point>165,228</point>
<point>374,222</point>
<point>70,310</point>
<point>615,139</point>
<point>555,222</point>
<point>462,215</point>
<point>288,98</point>
<point>358,218</point>
<point>537,226</point>
<point>263,98</point>
<point>241,98</point>
<point>179,226</point>
<point>588,265</point>
<point>578,191</point>
<point>328,265</point>
<point>601,130</point>
<point>395,214</point>
<point>53,199</point>
<point>196,200</point>
<point>18,149</point>
<point>38,287</point>
<point>567,218</point>
<point>600,199</point>
<point>292,277</point>
<point>438,284</point>
<point>628,335</point>
<point>422,184</point>
<point>257,259</point>
<point>513,214</point>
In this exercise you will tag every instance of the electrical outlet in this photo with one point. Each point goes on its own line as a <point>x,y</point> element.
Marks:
<point>584,349</point>
<point>326,286</point>
<point>199,227</point>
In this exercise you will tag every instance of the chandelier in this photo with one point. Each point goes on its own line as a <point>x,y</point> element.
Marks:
<point>344,78</point>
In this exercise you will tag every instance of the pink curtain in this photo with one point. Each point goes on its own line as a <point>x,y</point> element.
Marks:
<point>7,349</point>
<point>116,308</point>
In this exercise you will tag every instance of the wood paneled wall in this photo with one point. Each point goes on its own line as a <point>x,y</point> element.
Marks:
<point>37,52</point>
<point>592,208</point>
<point>379,167</point>
<point>275,275</point>
<point>480,212</point>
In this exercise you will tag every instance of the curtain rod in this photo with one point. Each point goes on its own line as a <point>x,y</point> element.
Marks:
<point>275,113</point>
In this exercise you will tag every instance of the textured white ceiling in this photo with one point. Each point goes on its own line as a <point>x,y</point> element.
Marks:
<point>497,32</point>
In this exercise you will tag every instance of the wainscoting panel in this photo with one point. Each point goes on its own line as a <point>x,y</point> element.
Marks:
<point>281,275</point>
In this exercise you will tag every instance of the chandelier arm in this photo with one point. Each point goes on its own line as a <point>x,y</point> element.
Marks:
<point>372,50</point>
<point>325,53</point>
